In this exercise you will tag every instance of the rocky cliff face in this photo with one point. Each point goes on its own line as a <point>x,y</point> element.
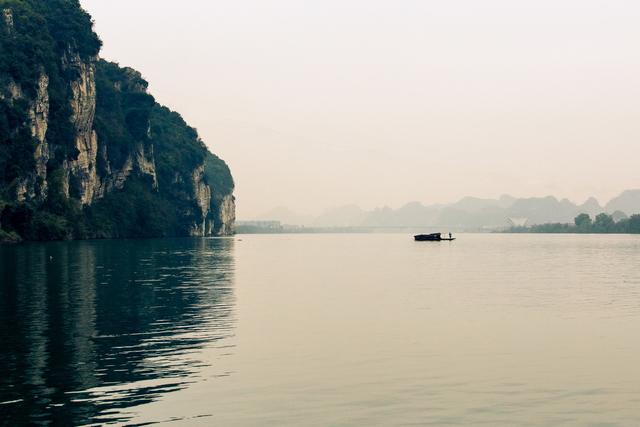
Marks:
<point>227,215</point>
<point>202,194</point>
<point>83,135</point>
<point>81,170</point>
<point>33,185</point>
<point>7,15</point>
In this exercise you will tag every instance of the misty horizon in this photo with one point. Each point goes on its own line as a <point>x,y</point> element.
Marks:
<point>588,200</point>
<point>325,104</point>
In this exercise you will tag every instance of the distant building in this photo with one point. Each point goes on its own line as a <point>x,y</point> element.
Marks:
<point>271,225</point>
<point>266,227</point>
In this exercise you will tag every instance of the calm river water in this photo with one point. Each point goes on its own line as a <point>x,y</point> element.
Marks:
<point>319,330</point>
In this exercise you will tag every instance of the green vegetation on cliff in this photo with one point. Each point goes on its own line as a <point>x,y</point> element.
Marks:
<point>35,37</point>
<point>126,116</point>
<point>37,33</point>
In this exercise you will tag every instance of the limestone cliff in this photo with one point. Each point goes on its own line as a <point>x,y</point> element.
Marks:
<point>33,185</point>
<point>81,170</point>
<point>85,151</point>
<point>227,215</point>
<point>202,194</point>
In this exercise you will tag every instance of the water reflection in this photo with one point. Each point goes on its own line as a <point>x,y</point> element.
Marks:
<point>90,328</point>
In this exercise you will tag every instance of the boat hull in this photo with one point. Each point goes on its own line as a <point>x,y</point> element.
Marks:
<point>436,237</point>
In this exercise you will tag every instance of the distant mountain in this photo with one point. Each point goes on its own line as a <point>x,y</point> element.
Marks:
<point>474,204</point>
<point>469,213</point>
<point>591,207</point>
<point>415,214</point>
<point>541,210</point>
<point>627,202</point>
<point>343,216</point>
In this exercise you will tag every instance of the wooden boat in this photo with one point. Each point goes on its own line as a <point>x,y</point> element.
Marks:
<point>433,237</point>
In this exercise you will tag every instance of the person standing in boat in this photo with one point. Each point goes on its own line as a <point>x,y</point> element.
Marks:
<point>449,235</point>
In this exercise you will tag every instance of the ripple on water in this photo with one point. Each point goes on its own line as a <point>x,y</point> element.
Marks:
<point>335,330</point>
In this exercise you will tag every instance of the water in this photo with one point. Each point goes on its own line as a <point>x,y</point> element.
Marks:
<point>322,330</point>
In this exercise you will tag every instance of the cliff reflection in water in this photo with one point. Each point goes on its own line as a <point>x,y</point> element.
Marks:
<point>90,328</point>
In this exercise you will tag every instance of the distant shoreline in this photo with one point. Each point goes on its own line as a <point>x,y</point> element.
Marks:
<point>532,230</point>
<point>584,224</point>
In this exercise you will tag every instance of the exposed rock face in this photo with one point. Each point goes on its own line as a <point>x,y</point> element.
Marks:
<point>82,170</point>
<point>7,14</point>
<point>34,185</point>
<point>39,117</point>
<point>218,216</point>
<point>141,160</point>
<point>146,163</point>
<point>227,215</point>
<point>14,91</point>
<point>202,195</point>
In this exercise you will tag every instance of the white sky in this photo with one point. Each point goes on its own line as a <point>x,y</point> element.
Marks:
<point>321,103</point>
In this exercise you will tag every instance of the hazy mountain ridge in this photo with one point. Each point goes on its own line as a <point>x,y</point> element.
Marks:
<point>627,202</point>
<point>468,213</point>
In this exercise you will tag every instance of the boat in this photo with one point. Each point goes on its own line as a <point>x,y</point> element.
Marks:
<point>433,237</point>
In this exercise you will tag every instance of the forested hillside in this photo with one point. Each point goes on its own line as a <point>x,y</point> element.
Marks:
<point>85,150</point>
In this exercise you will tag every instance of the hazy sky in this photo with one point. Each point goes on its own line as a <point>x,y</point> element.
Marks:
<point>321,103</point>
